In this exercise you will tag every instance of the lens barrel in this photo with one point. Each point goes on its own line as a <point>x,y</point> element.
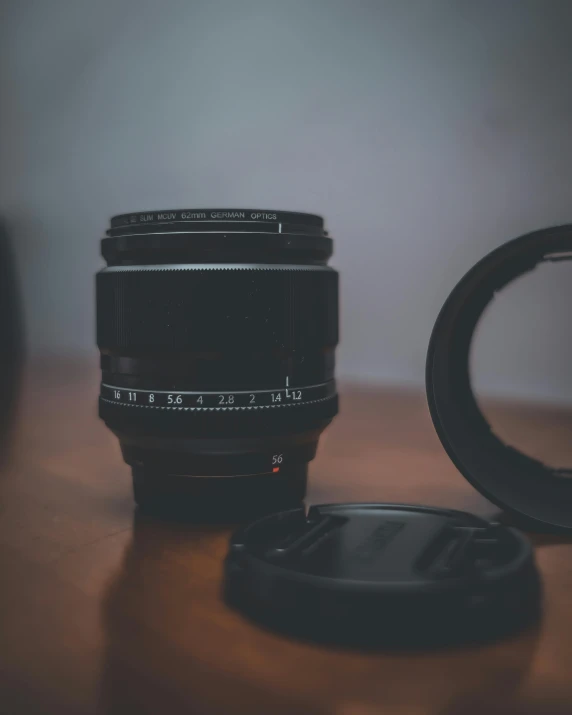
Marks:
<point>217,330</point>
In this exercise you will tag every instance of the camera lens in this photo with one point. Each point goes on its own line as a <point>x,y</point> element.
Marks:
<point>217,330</point>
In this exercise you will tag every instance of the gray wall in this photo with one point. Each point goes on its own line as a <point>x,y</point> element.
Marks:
<point>427,132</point>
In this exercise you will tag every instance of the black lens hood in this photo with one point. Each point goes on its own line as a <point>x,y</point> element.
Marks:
<point>531,490</point>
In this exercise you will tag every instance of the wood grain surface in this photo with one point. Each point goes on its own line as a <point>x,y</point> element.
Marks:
<point>103,610</point>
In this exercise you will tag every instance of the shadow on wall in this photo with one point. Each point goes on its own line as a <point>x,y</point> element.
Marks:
<point>11,339</point>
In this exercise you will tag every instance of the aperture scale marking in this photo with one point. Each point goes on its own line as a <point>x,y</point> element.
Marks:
<point>208,399</point>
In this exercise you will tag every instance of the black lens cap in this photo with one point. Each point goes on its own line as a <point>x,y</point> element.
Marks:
<point>372,575</point>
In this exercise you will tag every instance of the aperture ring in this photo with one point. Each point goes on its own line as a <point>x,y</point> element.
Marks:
<point>217,409</point>
<point>209,401</point>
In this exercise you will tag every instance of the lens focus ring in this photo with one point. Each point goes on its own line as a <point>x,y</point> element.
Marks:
<point>220,308</point>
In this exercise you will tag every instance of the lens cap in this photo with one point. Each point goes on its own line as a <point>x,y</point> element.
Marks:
<point>372,575</point>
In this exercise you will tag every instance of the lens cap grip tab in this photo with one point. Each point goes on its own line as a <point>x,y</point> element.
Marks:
<point>525,486</point>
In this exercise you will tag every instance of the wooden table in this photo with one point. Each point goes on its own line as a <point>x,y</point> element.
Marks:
<point>103,610</point>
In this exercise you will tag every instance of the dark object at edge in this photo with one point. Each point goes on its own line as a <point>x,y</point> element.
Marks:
<point>11,341</point>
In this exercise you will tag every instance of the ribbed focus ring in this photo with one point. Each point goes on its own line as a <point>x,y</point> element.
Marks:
<point>219,308</point>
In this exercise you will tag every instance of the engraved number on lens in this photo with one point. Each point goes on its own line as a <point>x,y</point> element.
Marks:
<point>226,399</point>
<point>117,394</point>
<point>277,459</point>
<point>200,400</point>
<point>252,399</point>
<point>276,397</point>
<point>174,400</point>
<point>297,394</point>
<point>151,398</point>
<point>132,397</point>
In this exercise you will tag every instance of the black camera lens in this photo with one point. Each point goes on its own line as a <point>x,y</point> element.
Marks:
<point>217,330</point>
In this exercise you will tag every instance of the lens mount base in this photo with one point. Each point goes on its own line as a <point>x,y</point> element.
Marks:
<point>219,499</point>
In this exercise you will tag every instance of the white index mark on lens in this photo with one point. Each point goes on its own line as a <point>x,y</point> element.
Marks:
<point>279,228</point>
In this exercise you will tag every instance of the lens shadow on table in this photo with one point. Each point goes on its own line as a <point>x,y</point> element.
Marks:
<point>165,623</point>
